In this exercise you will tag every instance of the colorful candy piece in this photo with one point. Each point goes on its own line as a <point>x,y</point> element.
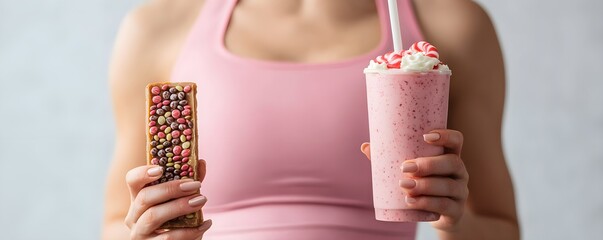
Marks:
<point>426,48</point>
<point>392,59</point>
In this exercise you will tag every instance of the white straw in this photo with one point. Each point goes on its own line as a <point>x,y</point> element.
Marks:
<point>395,23</point>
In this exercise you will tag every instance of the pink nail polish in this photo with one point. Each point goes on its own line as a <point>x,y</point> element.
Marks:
<point>190,186</point>
<point>409,167</point>
<point>205,225</point>
<point>431,137</point>
<point>197,201</point>
<point>408,183</point>
<point>154,172</point>
<point>434,216</point>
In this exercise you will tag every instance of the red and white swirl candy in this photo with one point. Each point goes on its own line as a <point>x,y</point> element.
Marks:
<point>426,48</point>
<point>428,54</point>
<point>392,59</point>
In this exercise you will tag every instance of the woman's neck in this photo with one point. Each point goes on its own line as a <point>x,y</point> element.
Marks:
<point>328,10</point>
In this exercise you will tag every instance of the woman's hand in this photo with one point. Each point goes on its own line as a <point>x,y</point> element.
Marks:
<point>152,206</point>
<point>437,184</point>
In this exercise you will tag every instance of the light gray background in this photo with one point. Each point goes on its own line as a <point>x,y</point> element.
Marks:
<point>57,138</point>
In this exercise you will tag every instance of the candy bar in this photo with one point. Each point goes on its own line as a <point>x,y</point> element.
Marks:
<point>172,137</point>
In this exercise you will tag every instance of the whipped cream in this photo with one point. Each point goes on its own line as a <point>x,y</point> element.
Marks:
<point>377,66</point>
<point>421,57</point>
<point>418,62</point>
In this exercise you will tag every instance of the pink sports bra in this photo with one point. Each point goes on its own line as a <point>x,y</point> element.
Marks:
<point>282,140</point>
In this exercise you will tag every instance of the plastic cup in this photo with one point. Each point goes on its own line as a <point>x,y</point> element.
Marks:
<point>402,107</point>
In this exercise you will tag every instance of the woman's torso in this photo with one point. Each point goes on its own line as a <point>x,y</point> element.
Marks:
<point>281,139</point>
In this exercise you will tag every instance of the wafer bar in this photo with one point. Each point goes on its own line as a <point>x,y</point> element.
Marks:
<point>172,137</point>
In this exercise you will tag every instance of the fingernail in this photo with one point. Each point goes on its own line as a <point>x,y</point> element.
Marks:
<point>410,200</point>
<point>408,183</point>
<point>190,186</point>
<point>205,224</point>
<point>431,137</point>
<point>197,201</point>
<point>154,172</point>
<point>409,167</point>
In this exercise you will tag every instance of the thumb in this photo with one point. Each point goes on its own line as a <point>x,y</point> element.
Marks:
<point>201,169</point>
<point>366,149</point>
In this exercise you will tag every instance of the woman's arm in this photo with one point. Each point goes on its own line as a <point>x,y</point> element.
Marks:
<point>145,50</point>
<point>467,41</point>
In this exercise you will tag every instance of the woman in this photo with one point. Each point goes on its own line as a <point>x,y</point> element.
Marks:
<point>276,81</point>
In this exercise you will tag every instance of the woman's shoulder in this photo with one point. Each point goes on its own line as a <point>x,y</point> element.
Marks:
<point>151,35</point>
<point>468,43</point>
<point>457,23</point>
<point>146,48</point>
<point>465,36</point>
<point>161,16</point>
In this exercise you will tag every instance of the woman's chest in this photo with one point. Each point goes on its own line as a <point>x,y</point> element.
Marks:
<point>299,39</point>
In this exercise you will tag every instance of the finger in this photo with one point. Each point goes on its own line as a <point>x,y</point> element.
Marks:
<point>185,233</point>
<point>201,169</point>
<point>138,177</point>
<point>157,215</point>
<point>435,186</point>
<point>160,193</point>
<point>442,205</point>
<point>448,165</point>
<point>366,149</point>
<point>450,139</point>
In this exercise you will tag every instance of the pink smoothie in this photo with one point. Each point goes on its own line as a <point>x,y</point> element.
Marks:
<point>402,106</point>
